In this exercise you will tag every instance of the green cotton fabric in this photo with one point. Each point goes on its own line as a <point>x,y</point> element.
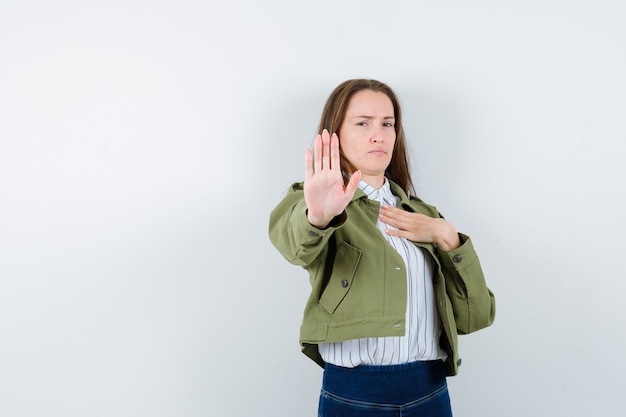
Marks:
<point>358,280</point>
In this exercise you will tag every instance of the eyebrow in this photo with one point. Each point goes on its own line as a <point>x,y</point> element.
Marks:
<point>371,117</point>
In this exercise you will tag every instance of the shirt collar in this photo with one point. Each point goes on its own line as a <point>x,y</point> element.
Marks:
<point>383,194</point>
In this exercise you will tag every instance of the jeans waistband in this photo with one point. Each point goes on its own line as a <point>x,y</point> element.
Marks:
<point>393,384</point>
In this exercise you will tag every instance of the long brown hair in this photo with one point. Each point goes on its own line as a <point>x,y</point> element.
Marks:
<point>334,112</point>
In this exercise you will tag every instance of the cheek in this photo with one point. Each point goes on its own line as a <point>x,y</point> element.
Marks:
<point>346,144</point>
<point>393,142</point>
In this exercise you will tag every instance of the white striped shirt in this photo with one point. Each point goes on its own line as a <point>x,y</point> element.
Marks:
<point>423,328</point>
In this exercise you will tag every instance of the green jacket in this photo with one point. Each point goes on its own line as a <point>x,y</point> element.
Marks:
<point>358,279</point>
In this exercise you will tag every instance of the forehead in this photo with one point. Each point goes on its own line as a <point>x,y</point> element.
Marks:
<point>372,103</point>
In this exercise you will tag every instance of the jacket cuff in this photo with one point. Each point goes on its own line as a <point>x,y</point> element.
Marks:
<point>461,257</point>
<point>312,235</point>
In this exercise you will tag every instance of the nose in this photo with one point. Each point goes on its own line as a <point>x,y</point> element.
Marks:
<point>377,135</point>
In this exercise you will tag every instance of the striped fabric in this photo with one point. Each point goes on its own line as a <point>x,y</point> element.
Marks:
<point>423,328</point>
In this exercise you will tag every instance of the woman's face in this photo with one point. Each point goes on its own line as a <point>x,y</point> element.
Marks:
<point>367,135</point>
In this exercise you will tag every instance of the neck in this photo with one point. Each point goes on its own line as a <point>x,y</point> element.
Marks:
<point>375,181</point>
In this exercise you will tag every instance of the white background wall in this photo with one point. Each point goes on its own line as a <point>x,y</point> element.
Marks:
<point>144,143</point>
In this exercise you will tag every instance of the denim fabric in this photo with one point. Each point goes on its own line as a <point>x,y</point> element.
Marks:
<point>416,389</point>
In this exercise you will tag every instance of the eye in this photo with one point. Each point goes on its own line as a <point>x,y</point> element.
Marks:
<point>363,123</point>
<point>388,124</point>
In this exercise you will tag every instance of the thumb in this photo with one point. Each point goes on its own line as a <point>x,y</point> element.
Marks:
<point>353,183</point>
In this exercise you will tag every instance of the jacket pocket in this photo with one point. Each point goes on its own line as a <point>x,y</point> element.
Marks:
<point>341,278</point>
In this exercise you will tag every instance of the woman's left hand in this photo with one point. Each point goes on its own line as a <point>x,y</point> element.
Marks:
<point>420,228</point>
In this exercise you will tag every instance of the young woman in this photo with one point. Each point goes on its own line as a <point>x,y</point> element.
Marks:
<point>393,282</point>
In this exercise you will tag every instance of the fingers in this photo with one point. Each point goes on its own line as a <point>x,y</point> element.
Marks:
<point>334,152</point>
<point>325,149</point>
<point>401,229</point>
<point>317,154</point>
<point>353,183</point>
<point>412,226</point>
<point>325,153</point>
<point>390,213</point>
<point>308,164</point>
<point>411,223</point>
<point>398,232</point>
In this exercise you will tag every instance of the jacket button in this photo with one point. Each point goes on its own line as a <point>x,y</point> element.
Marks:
<point>313,234</point>
<point>457,258</point>
<point>344,283</point>
<point>459,362</point>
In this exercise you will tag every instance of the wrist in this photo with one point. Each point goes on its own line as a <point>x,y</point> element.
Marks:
<point>448,238</point>
<point>319,222</point>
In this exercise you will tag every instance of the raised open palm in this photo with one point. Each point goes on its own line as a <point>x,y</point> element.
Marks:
<point>325,194</point>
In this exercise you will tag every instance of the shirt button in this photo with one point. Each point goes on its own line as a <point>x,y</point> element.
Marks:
<point>459,362</point>
<point>344,283</point>
<point>313,234</point>
<point>397,268</point>
<point>457,258</point>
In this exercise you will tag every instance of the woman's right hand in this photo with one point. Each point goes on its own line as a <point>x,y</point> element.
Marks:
<point>325,194</point>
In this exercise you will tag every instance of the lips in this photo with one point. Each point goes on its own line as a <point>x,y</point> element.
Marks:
<point>378,152</point>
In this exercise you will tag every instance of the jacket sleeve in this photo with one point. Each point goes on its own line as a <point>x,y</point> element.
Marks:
<point>472,302</point>
<point>292,234</point>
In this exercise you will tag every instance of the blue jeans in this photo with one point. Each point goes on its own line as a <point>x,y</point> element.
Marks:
<point>416,389</point>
